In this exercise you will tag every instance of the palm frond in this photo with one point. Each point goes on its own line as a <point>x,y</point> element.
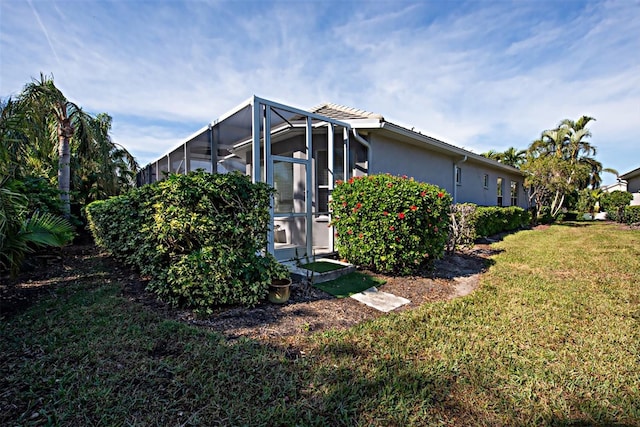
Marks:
<point>45,229</point>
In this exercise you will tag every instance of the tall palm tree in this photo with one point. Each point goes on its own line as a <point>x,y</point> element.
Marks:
<point>59,131</point>
<point>513,157</point>
<point>492,154</point>
<point>104,168</point>
<point>568,143</point>
<point>44,102</point>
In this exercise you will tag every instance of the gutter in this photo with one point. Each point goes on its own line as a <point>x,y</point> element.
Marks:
<point>455,184</point>
<point>367,145</point>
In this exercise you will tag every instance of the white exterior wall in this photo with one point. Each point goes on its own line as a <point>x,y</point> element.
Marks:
<point>398,158</point>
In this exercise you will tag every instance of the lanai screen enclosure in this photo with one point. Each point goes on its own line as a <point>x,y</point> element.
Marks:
<point>300,153</point>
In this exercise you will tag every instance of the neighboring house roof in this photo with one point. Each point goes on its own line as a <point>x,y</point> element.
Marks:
<point>630,174</point>
<point>613,187</point>
<point>341,112</point>
<point>362,119</point>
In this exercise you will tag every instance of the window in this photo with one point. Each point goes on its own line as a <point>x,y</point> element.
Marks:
<point>514,193</point>
<point>458,176</point>
<point>283,183</point>
<point>499,191</point>
<point>485,182</point>
<point>322,181</point>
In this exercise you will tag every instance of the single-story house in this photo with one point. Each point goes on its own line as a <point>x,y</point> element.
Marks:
<point>303,153</point>
<point>632,180</point>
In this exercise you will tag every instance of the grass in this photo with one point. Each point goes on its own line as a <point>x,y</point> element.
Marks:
<point>322,266</point>
<point>349,284</point>
<point>552,337</point>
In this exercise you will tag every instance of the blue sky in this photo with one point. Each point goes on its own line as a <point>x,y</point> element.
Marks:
<point>479,74</point>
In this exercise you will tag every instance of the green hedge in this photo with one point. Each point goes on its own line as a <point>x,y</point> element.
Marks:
<point>470,221</point>
<point>390,224</point>
<point>199,237</point>
<point>490,220</point>
<point>631,215</point>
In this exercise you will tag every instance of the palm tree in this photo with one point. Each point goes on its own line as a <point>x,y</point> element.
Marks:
<point>59,131</point>
<point>513,157</point>
<point>567,142</point>
<point>103,167</point>
<point>493,155</point>
<point>44,102</point>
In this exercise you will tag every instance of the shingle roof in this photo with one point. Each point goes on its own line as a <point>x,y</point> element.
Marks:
<point>340,112</point>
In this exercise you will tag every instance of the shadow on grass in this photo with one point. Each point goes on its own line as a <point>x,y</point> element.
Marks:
<point>579,224</point>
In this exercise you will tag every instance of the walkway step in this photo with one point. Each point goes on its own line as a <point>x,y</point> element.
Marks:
<point>381,301</point>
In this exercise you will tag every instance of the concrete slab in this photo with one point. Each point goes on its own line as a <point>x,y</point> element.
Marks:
<point>382,301</point>
<point>302,274</point>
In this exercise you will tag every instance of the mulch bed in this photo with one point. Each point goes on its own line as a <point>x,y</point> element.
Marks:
<point>309,309</point>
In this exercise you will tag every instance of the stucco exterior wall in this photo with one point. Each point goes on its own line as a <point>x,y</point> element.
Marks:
<point>633,184</point>
<point>404,159</point>
<point>399,158</point>
<point>472,186</point>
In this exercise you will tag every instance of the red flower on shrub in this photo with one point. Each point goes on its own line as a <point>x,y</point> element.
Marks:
<point>392,228</point>
<point>338,182</point>
<point>344,204</point>
<point>404,177</point>
<point>401,215</point>
<point>358,206</point>
<point>423,193</point>
<point>349,231</point>
<point>361,235</point>
<point>350,180</point>
<point>441,194</point>
<point>413,208</point>
<point>385,213</point>
<point>389,184</point>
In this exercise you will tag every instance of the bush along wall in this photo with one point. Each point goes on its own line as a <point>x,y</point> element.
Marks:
<point>199,236</point>
<point>631,215</point>
<point>390,224</point>
<point>490,220</point>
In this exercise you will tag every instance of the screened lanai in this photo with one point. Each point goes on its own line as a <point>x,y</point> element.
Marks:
<point>299,153</point>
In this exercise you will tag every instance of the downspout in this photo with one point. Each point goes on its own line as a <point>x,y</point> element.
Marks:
<point>455,184</point>
<point>367,145</point>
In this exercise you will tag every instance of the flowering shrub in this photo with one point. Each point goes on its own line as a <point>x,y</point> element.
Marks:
<point>390,224</point>
<point>196,235</point>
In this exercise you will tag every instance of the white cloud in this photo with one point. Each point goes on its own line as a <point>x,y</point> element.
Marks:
<point>478,75</point>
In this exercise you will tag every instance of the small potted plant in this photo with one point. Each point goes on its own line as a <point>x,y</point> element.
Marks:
<point>280,287</point>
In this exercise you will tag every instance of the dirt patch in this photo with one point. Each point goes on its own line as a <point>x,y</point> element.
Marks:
<point>309,310</point>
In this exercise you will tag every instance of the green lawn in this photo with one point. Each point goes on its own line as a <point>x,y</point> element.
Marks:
<point>552,337</point>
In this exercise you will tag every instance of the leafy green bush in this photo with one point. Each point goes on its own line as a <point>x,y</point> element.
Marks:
<point>490,220</point>
<point>41,195</point>
<point>199,237</point>
<point>390,224</point>
<point>614,204</point>
<point>632,214</point>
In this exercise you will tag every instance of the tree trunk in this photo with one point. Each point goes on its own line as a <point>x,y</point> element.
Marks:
<point>65,132</point>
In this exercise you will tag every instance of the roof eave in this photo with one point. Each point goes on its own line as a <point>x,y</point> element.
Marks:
<point>630,174</point>
<point>445,147</point>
